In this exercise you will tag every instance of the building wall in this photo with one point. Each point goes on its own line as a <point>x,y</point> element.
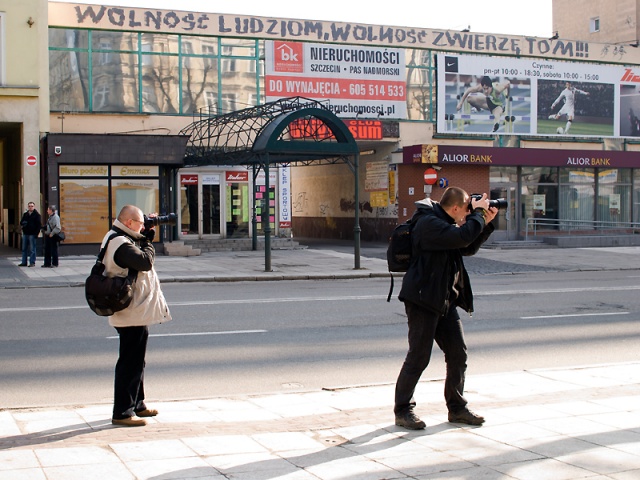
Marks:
<point>618,20</point>
<point>24,108</point>
<point>474,179</point>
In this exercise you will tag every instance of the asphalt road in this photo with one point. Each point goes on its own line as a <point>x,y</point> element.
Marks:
<point>265,337</point>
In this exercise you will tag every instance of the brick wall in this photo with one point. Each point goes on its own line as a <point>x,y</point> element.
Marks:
<point>474,179</point>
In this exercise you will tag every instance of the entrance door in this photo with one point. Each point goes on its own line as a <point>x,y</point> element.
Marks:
<point>506,228</point>
<point>210,204</point>
<point>238,203</point>
<point>200,204</point>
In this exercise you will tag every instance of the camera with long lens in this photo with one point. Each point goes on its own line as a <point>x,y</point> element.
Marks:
<point>170,219</point>
<point>498,203</point>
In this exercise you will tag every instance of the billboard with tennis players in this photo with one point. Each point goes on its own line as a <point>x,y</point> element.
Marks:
<point>508,96</point>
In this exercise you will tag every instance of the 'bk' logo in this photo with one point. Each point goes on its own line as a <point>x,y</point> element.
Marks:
<point>288,57</point>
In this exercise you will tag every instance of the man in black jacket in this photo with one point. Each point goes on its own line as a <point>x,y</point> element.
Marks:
<point>31,224</point>
<point>434,285</point>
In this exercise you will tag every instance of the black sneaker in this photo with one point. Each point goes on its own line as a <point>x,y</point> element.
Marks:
<point>466,416</point>
<point>22,264</point>
<point>410,420</point>
<point>496,126</point>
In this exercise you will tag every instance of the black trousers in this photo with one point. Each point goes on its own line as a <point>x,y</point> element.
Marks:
<point>129,386</point>
<point>50,251</point>
<point>424,328</point>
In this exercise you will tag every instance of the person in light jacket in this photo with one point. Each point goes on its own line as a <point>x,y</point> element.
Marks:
<point>51,229</point>
<point>131,248</point>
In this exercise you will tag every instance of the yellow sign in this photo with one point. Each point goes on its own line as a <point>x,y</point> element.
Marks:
<point>379,199</point>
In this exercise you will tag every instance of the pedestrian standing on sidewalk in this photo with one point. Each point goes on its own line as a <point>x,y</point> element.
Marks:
<point>31,224</point>
<point>131,247</point>
<point>433,286</point>
<point>51,230</point>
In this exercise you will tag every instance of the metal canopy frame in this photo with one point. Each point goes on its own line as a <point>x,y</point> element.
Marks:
<point>289,131</point>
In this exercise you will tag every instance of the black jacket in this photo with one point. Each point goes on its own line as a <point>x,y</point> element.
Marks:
<point>31,223</point>
<point>438,247</point>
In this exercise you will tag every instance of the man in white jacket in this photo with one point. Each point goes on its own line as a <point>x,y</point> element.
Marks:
<point>131,248</point>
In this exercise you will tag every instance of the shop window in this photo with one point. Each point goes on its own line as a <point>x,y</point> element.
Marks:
<point>229,103</point>
<point>614,196</point>
<point>78,197</point>
<point>210,55</point>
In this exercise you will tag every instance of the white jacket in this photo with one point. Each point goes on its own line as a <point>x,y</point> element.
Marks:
<point>148,305</point>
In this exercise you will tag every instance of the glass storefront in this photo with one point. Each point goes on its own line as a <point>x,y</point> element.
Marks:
<point>568,198</point>
<point>92,195</point>
<point>214,203</point>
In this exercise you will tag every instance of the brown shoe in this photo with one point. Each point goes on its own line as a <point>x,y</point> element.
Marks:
<point>410,421</point>
<point>147,412</point>
<point>466,416</point>
<point>129,422</point>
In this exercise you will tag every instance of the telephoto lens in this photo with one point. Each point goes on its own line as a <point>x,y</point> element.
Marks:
<point>169,219</point>
<point>498,203</point>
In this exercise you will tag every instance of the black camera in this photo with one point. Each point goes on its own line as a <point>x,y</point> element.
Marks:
<point>498,203</point>
<point>170,219</point>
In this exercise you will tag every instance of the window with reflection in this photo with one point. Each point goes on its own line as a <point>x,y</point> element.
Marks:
<point>160,83</point>
<point>118,41</point>
<point>539,196</point>
<point>577,196</point>
<point>614,195</point>
<point>199,85</point>
<point>115,85</point>
<point>420,85</point>
<point>68,70</point>
<point>636,195</point>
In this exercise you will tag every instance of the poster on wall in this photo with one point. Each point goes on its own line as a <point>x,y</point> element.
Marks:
<point>77,197</point>
<point>514,96</point>
<point>355,80</point>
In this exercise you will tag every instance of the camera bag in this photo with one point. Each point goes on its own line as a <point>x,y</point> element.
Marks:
<point>400,249</point>
<point>108,295</point>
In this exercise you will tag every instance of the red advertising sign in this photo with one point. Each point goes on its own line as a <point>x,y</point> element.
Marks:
<point>237,176</point>
<point>318,130</point>
<point>188,179</point>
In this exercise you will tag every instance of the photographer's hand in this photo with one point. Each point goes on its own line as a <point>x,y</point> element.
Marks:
<point>149,233</point>
<point>490,214</point>
<point>482,203</point>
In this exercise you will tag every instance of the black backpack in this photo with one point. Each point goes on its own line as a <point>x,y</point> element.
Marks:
<point>108,295</point>
<point>400,249</point>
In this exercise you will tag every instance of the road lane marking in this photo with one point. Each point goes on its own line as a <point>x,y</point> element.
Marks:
<point>576,315</point>
<point>197,334</point>
<point>487,293</point>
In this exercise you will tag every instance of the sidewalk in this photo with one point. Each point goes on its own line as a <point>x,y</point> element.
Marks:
<point>323,262</point>
<point>581,422</point>
<point>547,424</point>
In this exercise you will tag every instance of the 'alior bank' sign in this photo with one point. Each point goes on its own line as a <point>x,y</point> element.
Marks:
<point>537,157</point>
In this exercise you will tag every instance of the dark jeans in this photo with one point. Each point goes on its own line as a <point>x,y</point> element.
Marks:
<point>29,249</point>
<point>424,328</point>
<point>50,251</point>
<point>128,395</point>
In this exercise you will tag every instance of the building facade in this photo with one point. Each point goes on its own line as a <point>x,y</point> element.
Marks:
<point>24,110</point>
<point>412,98</point>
